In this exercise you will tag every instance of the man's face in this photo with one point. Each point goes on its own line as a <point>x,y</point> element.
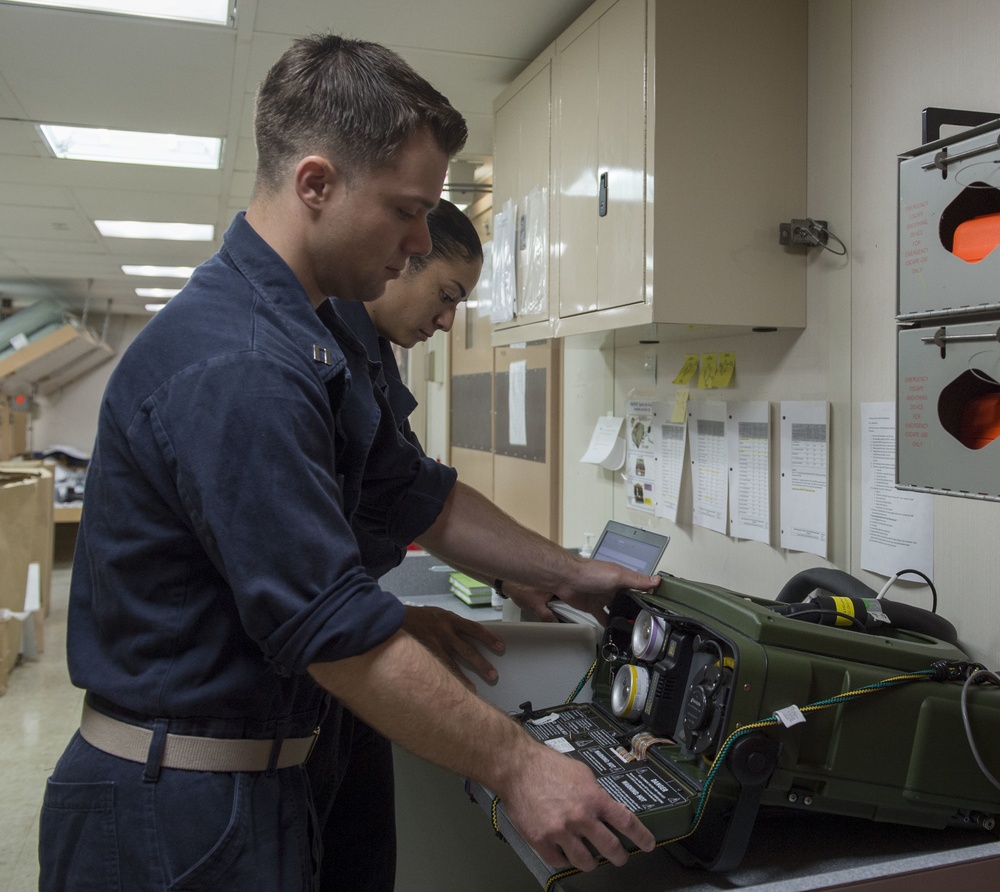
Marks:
<point>377,220</point>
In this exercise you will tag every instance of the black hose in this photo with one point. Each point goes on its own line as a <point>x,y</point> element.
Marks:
<point>841,584</point>
<point>831,580</point>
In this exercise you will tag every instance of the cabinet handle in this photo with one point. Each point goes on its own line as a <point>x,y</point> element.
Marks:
<point>602,196</point>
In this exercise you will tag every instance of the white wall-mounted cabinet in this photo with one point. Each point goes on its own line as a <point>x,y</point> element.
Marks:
<point>522,165</point>
<point>678,146</point>
<point>600,170</point>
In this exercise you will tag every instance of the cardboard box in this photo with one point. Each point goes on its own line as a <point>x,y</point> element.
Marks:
<point>11,631</point>
<point>26,535</point>
<point>13,430</point>
<point>42,524</point>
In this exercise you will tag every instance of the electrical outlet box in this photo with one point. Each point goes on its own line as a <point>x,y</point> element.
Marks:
<point>803,232</point>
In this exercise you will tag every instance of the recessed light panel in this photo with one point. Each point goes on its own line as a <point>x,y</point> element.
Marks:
<point>164,272</point>
<point>132,147</point>
<point>158,293</point>
<point>182,232</point>
<point>215,12</point>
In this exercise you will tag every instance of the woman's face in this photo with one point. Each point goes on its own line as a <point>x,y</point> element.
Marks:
<point>420,302</point>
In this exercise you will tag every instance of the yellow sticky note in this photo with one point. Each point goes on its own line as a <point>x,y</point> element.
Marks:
<point>688,370</point>
<point>709,361</point>
<point>679,412</point>
<point>725,369</point>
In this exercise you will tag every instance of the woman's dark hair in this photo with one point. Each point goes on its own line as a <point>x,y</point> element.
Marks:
<point>452,235</point>
<point>352,101</point>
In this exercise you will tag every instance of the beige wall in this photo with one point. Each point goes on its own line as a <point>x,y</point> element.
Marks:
<point>873,66</point>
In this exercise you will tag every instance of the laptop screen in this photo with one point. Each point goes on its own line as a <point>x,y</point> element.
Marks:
<point>637,549</point>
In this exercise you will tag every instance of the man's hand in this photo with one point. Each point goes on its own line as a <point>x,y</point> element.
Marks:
<point>590,589</point>
<point>446,635</point>
<point>555,802</point>
<point>590,583</point>
<point>530,598</point>
<point>559,808</point>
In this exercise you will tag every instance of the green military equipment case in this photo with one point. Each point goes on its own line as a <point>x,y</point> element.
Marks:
<point>708,705</point>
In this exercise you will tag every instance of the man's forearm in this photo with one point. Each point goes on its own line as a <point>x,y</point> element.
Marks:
<point>473,532</point>
<point>554,801</point>
<point>405,693</point>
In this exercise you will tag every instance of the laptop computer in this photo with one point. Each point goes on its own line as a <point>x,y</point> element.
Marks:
<point>632,547</point>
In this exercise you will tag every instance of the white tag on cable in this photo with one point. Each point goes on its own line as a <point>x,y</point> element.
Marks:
<point>874,608</point>
<point>790,715</point>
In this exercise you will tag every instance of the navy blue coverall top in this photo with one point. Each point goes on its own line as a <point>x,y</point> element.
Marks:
<point>381,555</point>
<point>239,438</point>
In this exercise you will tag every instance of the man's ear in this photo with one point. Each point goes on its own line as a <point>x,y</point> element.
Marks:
<point>316,181</point>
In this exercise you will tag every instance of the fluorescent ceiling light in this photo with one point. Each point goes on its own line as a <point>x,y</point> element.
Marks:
<point>181,232</point>
<point>212,11</point>
<point>152,308</point>
<point>161,293</point>
<point>132,147</point>
<point>166,272</point>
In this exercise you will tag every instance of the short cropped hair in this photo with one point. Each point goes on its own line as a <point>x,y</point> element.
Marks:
<point>352,101</point>
<point>453,237</point>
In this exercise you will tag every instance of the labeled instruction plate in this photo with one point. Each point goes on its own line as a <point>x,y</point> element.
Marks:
<point>585,735</point>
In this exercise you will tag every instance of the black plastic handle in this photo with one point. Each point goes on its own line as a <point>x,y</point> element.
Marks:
<point>933,119</point>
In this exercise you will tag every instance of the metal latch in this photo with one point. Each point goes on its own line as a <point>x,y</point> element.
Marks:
<point>940,338</point>
<point>942,159</point>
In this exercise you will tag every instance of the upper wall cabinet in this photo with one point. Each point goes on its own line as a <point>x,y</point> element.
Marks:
<point>522,192</point>
<point>678,144</point>
<point>600,170</point>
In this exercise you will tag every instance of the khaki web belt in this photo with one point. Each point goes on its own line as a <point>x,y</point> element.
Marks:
<point>191,753</point>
